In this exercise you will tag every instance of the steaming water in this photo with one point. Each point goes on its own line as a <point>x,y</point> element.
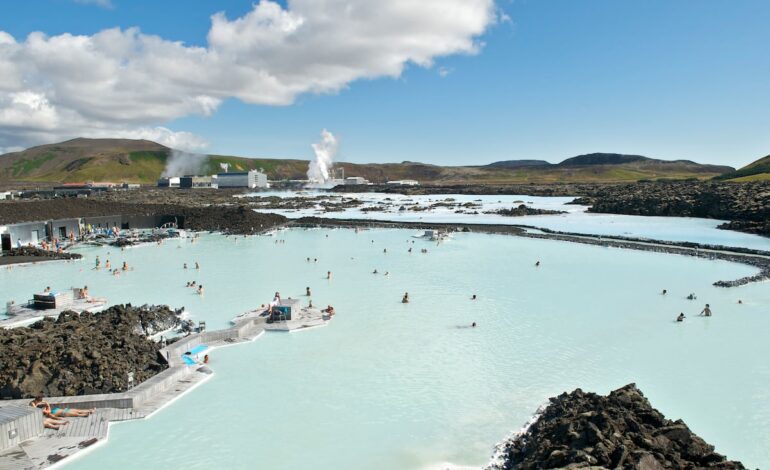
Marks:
<point>394,386</point>
<point>575,220</point>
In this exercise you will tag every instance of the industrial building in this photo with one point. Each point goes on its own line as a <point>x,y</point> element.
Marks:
<point>356,180</point>
<point>403,183</point>
<point>245,179</point>
<point>169,182</point>
<point>190,181</point>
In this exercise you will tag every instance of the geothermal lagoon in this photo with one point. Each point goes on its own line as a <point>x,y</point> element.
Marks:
<point>411,386</point>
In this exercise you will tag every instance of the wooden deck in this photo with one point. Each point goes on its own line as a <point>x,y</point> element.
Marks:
<point>79,434</point>
<point>21,315</point>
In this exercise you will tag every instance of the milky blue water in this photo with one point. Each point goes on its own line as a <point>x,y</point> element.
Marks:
<point>574,220</point>
<point>409,386</point>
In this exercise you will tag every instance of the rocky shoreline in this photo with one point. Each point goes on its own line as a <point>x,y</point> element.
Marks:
<point>233,218</point>
<point>621,430</point>
<point>755,258</point>
<point>745,205</point>
<point>31,254</point>
<point>87,353</point>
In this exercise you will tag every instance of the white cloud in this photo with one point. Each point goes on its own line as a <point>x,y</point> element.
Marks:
<point>123,82</point>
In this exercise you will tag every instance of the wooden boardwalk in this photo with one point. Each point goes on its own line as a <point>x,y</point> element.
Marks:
<point>82,433</point>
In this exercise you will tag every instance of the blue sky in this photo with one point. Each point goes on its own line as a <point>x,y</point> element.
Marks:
<point>662,78</point>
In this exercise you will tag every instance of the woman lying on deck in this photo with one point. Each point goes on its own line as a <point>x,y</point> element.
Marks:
<point>57,411</point>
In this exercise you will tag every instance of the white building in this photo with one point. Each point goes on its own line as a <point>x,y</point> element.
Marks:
<point>356,180</point>
<point>245,179</point>
<point>403,183</point>
<point>170,182</point>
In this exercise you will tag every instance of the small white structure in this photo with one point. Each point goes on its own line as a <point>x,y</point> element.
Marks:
<point>403,183</point>
<point>169,182</point>
<point>356,180</point>
<point>245,179</point>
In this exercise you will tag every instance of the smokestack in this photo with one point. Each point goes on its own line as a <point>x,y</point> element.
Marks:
<point>318,170</point>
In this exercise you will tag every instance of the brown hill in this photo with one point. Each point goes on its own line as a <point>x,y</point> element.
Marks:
<point>120,160</point>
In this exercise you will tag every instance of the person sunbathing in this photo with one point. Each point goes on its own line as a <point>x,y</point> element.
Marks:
<point>53,423</point>
<point>57,411</point>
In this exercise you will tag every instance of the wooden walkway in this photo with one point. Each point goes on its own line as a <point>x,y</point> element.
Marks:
<point>82,433</point>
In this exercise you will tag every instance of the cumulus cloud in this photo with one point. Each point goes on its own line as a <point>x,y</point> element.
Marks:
<point>123,82</point>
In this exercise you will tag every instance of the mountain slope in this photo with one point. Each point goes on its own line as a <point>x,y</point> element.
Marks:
<point>142,161</point>
<point>755,171</point>
<point>86,160</point>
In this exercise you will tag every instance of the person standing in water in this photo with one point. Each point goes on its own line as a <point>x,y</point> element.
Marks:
<point>328,274</point>
<point>681,317</point>
<point>98,263</point>
<point>664,292</point>
<point>307,291</point>
<point>405,299</point>
<point>537,265</point>
<point>706,312</point>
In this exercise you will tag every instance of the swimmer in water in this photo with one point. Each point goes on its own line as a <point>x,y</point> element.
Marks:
<point>474,297</point>
<point>473,325</point>
<point>664,292</point>
<point>375,271</point>
<point>706,312</point>
<point>405,299</point>
<point>681,317</point>
<point>387,273</point>
<point>184,266</point>
<point>537,265</point>
<point>410,249</point>
<point>384,250</point>
<point>740,301</point>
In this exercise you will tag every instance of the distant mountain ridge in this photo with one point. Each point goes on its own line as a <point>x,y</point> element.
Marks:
<point>517,163</point>
<point>758,170</point>
<point>143,161</point>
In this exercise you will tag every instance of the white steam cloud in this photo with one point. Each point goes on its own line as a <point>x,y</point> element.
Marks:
<point>318,170</point>
<point>181,163</point>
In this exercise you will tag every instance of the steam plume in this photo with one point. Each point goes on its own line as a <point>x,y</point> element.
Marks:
<point>318,170</point>
<point>184,163</point>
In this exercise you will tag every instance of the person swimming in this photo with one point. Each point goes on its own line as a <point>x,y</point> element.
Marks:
<point>681,317</point>
<point>740,301</point>
<point>691,296</point>
<point>706,312</point>
<point>329,309</point>
<point>473,325</point>
<point>664,292</point>
<point>537,265</point>
<point>474,297</point>
<point>405,299</point>
<point>409,250</point>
